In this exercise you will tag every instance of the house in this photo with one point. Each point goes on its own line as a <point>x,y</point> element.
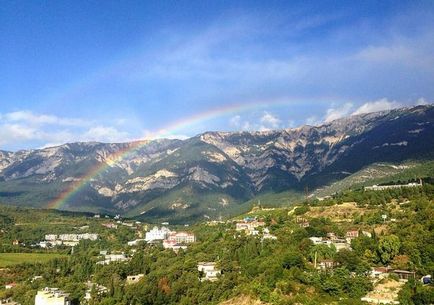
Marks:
<point>8,301</point>
<point>44,244</point>
<point>302,222</point>
<point>70,240</point>
<point>367,234</point>
<point>249,226</point>
<point>316,240</point>
<point>157,234</point>
<point>132,279</point>
<point>300,219</point>
<point>338,243</point>
<point>110,225</point>
<point>209,271</point>
<point>352,234</point>
<point>326,264</point>
<point>355,234</point>
<point>98,289</point>
<point>10,285</point>
<point>331,236</point>
<point>393,186</point>
<point>110,258</point>
<point>379,273</point>
<point>36,277</point>
<point>404,275</point>
<point>52,296</point>
<point>267,235</point>
<point>172,244</point>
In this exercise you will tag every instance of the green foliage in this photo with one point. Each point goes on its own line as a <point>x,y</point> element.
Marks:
<point>388,247</point>
<point>276,271</point>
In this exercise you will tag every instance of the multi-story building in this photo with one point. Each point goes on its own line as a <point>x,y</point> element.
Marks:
<point>157,234</point>
<point>249,226</point>
<point>98,290</point>
<point>52,296</point>
<point>110,258</point>
<point>182,237</point>
<point>172,244</point>
<point>393,186</point>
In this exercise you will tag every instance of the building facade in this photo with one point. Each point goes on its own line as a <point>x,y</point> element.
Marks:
<point>52,296</point>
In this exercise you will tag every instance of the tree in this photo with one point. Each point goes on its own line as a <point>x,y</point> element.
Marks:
<point>388,247</point>
<point>292,259</point>
<point>322,252</point>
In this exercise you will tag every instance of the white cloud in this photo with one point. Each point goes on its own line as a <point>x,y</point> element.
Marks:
<point>25,129</point>
<point>247,126</point>
<point>161,134</point>
<point>235,121</point>
<point>338,112</point>
<point>375,106</point>
<point>384,54</point>
<point>269,121</point>
<point>291,124</point>
<point>105,134</point>
<point>313,121</point>
<point>31,118</point>
<point>421,101</point>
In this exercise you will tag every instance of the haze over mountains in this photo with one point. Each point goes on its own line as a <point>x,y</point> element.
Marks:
<point>215,172</point>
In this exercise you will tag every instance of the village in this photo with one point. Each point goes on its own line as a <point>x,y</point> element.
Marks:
<point>332,233</point>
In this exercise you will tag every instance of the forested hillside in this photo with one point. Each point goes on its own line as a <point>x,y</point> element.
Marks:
<point>394,228</point>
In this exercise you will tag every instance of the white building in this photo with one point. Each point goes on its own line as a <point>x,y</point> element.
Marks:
<point>110,258</point>
<point>8,301</point>
<point>135,242</point>
<point>393,186</point>
<point>268,235</point>
<point>249,226</point>
<point>172,244</point>
<point>132,279</point>
<point>157,234</point>
<point>210,273</point>
<point>182,237</point>
<point>70,240</point>
<point>338,243</point>
<point>99,290</point>
<point>52,296</point>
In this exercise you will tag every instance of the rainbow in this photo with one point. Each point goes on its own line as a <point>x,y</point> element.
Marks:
<point>77,185</point>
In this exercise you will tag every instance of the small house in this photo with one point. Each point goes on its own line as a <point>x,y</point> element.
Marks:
<point>404,275</point>
<point>132,279</point>
<point>209,271</point>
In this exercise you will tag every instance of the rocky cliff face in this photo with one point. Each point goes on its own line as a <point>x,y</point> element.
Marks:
<point>212,171</point>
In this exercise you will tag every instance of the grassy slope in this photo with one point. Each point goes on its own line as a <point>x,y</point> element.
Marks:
<point>381,173</point>
<point>372,174</point>
<point>9,259</point>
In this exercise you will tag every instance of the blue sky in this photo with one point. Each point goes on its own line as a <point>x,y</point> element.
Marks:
<point>115,71</point>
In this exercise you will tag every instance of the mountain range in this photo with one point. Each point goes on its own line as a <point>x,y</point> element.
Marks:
<point>215,173</point>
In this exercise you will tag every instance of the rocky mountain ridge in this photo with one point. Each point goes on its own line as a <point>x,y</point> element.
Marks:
<point>213,171</point>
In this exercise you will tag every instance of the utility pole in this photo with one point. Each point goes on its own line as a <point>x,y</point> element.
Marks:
<point>316,253</point>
